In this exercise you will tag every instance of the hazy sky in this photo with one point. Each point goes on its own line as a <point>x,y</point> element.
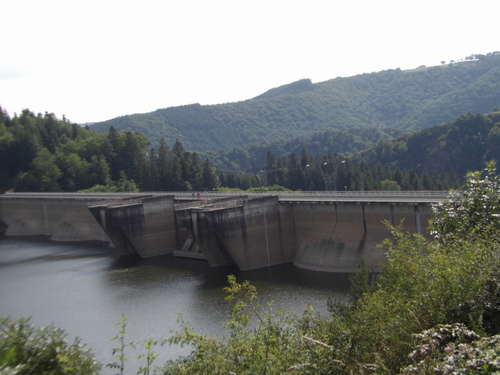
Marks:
<point>93,60</point>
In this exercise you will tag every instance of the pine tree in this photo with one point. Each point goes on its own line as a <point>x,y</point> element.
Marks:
<point>210,179</point>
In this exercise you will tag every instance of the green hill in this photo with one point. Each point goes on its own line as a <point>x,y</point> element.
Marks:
<point>436,158</point>
<point>345,142</point>
<point>461,146</point>
<point>392,99</point>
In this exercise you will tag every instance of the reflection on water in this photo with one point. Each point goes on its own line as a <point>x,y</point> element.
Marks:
<point>84,289</point>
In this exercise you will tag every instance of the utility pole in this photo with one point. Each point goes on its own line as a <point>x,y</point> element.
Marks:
<point>329,178</point>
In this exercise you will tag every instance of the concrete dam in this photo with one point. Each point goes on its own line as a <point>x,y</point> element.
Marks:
<point>321,231</point>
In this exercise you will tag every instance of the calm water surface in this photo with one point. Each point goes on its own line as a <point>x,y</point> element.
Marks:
<point>84,289</point>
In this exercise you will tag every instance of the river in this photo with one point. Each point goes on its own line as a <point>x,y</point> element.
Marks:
<point>85,289</point>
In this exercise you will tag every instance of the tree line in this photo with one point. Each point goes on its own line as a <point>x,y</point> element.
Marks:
<point>334,172</point>
<point>460,146</point>
<point>42,153</point>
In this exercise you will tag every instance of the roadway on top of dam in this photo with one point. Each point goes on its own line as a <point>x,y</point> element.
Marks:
<point>424,196</point>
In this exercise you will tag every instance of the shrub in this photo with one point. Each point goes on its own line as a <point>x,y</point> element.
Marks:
<point>454,349</point>
<point>26,350</point>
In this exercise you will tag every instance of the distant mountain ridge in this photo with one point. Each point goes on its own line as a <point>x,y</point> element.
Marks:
<point>302,85</point>
<point>392,99</point>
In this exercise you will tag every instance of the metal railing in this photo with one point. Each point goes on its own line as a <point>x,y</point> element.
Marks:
<point>208,204</point>
<point>430,195</point>
<point>115,202</point>
<point>424,195</point>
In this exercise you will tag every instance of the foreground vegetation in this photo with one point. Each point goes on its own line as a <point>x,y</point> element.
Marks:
<point>27,350</point>
<point>423,314</point>
<point>435,309</point>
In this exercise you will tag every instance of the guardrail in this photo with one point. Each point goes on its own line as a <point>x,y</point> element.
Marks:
<point>208,204</point>
<point>115,203</point>
<point>429,194</point>
<point>328,193</point>
<point>188,205</point>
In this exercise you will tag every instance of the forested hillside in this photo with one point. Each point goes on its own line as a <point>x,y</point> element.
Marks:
<point>459,147</point>
<point>42,153</point>
<point>431,159</point>
<point>392,99</point>
<point>345,142</point>
<point>369,132</point>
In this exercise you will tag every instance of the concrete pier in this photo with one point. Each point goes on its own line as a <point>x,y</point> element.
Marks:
<point>254,234</point>
<point>142,225</point>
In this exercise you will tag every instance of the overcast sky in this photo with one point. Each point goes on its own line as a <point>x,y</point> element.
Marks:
<point>93,60</point>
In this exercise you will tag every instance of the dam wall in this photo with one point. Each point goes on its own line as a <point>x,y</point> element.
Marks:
<point>338,236</point>
<point>328,234</point>
<point>132,223</point>
<point>56,218</point>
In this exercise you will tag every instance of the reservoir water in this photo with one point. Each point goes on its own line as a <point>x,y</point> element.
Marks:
<point>85,288</point>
